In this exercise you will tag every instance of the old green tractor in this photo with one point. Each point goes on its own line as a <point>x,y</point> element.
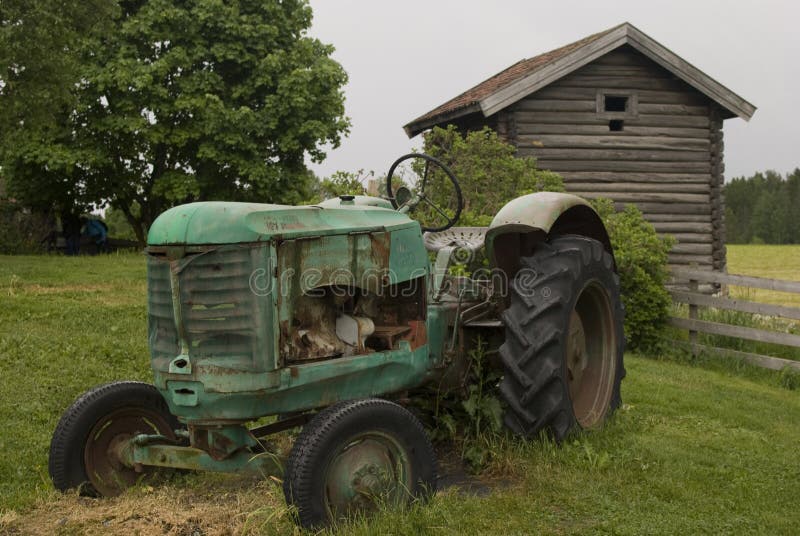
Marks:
<point>331,317</point>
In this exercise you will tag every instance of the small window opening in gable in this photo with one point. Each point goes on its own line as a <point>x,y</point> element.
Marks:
<point>615,104</point>
<point>616,125</point>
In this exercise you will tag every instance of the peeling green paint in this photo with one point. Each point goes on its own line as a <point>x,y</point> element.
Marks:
<point>538,211</point>
<point>217,222</point>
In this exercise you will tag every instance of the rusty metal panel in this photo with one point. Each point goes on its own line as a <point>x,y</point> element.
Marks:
<point>307,317</point>
<point>162,335</point>
<point>408,258</point>
<point>348,259</point>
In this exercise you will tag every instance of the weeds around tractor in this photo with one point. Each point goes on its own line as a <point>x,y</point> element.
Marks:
<point>470,419</point>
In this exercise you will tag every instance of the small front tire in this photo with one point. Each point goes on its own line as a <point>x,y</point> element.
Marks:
<point>355,455</point>
<point>82,451</point>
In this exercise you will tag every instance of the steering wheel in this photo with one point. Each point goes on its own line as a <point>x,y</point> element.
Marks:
<point>407,199</point>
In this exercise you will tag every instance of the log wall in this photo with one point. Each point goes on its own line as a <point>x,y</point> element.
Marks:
<point>667,159</point>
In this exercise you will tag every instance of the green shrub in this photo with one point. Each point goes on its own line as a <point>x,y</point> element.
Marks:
<point>641,257</point>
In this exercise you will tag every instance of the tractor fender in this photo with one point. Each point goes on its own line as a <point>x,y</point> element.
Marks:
<point>529,219</point>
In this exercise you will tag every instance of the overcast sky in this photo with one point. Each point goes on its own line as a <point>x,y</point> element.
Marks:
<point>405,58</point>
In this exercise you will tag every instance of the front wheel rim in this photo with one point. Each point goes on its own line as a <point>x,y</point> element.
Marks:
<point>104,469</point>
<point>591,355</point>
<point>370,469</point>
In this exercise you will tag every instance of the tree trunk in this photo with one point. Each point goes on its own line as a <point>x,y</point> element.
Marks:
<point>136,224</point>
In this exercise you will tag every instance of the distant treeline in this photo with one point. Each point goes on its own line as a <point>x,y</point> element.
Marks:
<point>763,209</point>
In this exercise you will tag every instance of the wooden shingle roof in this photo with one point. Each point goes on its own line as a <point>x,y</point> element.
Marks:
<point>529,75</point>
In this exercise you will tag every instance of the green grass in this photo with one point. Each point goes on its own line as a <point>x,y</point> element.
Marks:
<point>65,324</point>
<point>774,262</point>
<point>697,448</point>
<point>693,451</point>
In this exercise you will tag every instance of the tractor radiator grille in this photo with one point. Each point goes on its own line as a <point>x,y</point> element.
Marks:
<point>219,313</point>
<point>218,307</point>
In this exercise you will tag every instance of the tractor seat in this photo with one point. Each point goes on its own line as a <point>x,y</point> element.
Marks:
<point>470,238</point>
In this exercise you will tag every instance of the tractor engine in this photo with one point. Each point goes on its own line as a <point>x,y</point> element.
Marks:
<point>295,286</point>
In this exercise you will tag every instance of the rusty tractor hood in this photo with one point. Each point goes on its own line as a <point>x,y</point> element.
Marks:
<point>222,222</point>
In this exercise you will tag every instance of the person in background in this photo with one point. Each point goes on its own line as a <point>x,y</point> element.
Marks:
<point>71,229</point>
<point>98,231</point>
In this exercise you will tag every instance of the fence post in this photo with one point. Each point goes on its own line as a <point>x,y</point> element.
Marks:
<point>693,287</point>
<point>687,289</point>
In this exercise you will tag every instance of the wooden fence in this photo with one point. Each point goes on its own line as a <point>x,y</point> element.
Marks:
<point>694,299</point>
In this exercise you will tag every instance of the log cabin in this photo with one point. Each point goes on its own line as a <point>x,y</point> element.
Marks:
<point>619,116</point>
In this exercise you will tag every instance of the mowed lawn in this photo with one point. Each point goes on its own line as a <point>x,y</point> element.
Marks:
<point>693,450</point>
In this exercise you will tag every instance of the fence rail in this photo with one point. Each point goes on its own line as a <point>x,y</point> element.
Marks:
<point>694,299</point>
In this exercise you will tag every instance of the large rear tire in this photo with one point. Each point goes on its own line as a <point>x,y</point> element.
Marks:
<point>562,356</point>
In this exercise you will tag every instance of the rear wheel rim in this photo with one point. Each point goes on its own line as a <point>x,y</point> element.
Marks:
<point>104,469</point>
<point>591,355</point>
<point>371,469</point>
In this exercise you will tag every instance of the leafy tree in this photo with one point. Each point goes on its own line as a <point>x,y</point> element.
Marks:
<point>792,199</point>
<point>38,59</point>
<point>760,208</point>
<point>22,231</point>
<point>118,226</point>
<point>739,196</point>
<point>341,183</point>
<point>39,67</point>
<point>190,100</point>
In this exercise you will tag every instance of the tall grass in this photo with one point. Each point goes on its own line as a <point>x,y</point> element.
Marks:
<point>738,318</point>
